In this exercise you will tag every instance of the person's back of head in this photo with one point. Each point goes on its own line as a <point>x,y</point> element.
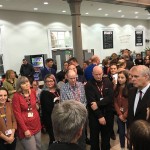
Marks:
<point>68,119</point>
<point>95,59</point>
<point>139,135</point>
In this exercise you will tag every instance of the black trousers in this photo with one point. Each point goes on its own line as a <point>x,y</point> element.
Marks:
<point>104,130</point>
<point>4,146</point>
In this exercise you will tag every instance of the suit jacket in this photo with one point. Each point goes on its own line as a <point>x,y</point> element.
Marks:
<point>45,71</point>
<point>94,95</point>
<point>141,110</point>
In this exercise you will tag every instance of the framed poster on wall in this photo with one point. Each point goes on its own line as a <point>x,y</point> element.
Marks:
<point>107,39</point>
<point>138,38</point>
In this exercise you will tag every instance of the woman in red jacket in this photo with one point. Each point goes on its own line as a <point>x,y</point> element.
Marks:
<point>27,117</point>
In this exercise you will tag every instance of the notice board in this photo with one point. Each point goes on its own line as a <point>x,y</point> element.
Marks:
<point>107,39</point>
<point>138,38</point>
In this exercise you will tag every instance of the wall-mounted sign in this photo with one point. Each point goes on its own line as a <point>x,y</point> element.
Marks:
<point>107,39</point>
<point>138,38</point>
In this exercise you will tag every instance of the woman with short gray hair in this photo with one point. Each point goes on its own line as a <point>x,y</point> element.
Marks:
<point>68,120</point>
<point>27,117</point>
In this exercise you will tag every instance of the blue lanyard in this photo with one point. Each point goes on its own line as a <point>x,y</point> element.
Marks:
<point>4,116</point>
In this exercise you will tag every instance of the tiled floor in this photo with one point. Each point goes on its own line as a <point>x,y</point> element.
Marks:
<point>114,143</point>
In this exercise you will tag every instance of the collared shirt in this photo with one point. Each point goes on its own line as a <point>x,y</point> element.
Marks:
<point>138,95</point>
<point>76,92</point>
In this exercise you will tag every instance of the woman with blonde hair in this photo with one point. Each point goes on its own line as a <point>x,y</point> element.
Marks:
<point>27,116</point>
<point>49,96</point>
<point>10,83</point>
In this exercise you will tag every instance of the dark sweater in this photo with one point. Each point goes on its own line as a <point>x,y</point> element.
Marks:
<point>64,146</point>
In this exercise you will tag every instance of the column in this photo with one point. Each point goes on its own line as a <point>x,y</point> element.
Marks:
<point>76,29</point>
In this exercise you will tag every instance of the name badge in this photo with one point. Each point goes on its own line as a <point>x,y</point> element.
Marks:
<point>8,132</point>
<point>3,115</point>
<point>30,114</point>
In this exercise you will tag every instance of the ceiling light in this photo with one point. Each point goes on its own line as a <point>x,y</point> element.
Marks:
<point>148,14</point>
<point>136,12</point>
<point>99,9</point>
<point>106,14</point>
<point>122,16</point>
<point>45,3</point>
<point>119,10</point>
<point>35,8</point>
<point>148,18</point>
<point>87,13</point>
<point>1,5</point>
<point>63,11</point>
<point>136,17</point>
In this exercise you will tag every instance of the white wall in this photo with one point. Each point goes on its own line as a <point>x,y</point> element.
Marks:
<point>24,33</point>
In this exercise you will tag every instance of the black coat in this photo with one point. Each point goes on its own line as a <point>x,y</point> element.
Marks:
<point>141,111</point>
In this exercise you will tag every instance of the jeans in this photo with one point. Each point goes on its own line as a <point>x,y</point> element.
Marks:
<point>122,128</point>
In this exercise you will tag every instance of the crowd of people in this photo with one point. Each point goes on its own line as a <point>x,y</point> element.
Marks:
<point>74,99</point>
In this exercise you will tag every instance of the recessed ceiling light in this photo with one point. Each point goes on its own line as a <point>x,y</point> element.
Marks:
<point>45,3</point>
<point>87,13</point>
<point>106,14</point>
<point>119,10</point>
<point>99,9</point>
<point>35,8</point>
<point>136,12</point>
<point>1,5</point>
<point>63,11</point>
<point>136,17</point>
<point>148,18</point>
<point>148,14</point>
<point>122,16</point>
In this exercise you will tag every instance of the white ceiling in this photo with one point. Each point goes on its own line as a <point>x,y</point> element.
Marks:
<point>90,7</point>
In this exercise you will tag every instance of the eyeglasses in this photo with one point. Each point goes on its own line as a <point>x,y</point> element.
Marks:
<point>49,81</point>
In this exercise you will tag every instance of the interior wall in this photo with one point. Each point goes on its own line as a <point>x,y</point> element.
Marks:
<point>24,33</point>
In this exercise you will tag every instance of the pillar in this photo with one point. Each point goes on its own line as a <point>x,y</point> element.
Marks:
<point>76,29</point>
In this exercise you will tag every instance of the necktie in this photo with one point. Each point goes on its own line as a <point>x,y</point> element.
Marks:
<point>140,95</point>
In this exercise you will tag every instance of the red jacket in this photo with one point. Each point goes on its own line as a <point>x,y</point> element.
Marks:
<point>20,108</point>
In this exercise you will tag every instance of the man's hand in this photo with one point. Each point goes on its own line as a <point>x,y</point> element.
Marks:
<point>102,121</point>
<point>94,106</point>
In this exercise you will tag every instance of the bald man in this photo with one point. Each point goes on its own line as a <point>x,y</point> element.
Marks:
<point>99,94</point>
<point>139,103</point>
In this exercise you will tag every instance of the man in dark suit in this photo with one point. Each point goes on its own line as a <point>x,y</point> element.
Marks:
<point>99,94</point>
<point>139,95</point>
<point>48,69</point>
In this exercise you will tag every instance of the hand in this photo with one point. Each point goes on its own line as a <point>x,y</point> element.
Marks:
<point>27,134</point>
<point>10,139</point>
<point>102,121</point>
<point>121,117</point>
<point>94,106</point>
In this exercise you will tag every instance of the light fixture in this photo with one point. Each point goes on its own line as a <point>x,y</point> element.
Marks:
<point>122,16</point>
<point>87,13</point>
<point>136,12</point>
<point>106,14</point>
<point>99,9</point>
<point>45,3</point>
<point>63,11</point>
<point>119,10</point>
<point>1,5</point>
<point>136,17</point>
<point>35,8</point>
